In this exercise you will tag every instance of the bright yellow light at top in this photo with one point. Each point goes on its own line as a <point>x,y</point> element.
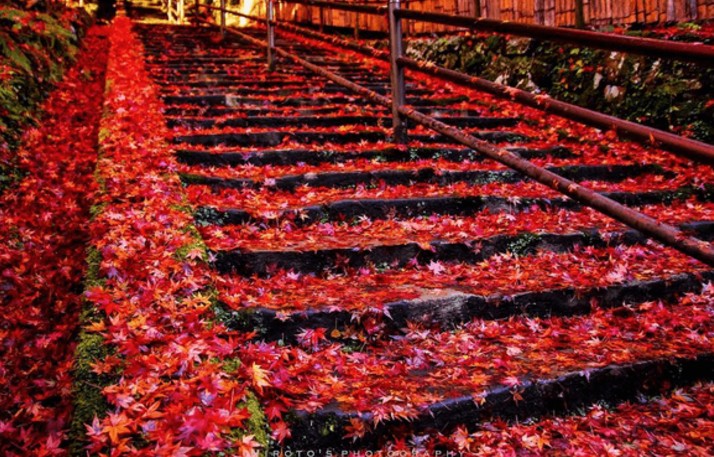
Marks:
<point>251,7</point>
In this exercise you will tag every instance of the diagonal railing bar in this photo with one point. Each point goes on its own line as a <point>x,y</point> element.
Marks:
<point>682,146</point>
<point>665,233</point>
<point>693,52</point>
<point>685,147</point>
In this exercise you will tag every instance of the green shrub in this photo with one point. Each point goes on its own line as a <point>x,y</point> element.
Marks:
<point>35,49</point>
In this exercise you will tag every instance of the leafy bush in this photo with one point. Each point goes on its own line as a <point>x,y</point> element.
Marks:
<point>35,49</point>
<point>669,95</point>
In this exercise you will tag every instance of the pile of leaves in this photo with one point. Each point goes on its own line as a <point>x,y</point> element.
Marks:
<point>151,354</point>
<point>36,47</point>
<point>43,240</point>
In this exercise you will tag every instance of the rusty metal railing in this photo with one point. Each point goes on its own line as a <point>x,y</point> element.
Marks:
<point>665,233</point>
<point>682,146</point>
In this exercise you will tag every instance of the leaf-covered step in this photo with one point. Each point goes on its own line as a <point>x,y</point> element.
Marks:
<point>331,121</point>
<point>452,308</point>
<point>295,91</point>
<point>226,111</point>
<point>252,73</point>
<point>441,294</point>
<point>222,80</point>
<point>198,62</point>
<point>624,429</point>
<point>226,80</point>
<point>608,173</point>
<point>413,207</point>
<point>310,157</point>
<point>257,262</point>
<point>229,100</point>
<point>353,135</point>
<point>567,393</point>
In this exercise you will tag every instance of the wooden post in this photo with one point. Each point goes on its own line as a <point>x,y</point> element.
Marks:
<point>579,14</point>
<point>223,18</point>
<point>396,45</point>
<point>477,8</point>
<point>269,19</point>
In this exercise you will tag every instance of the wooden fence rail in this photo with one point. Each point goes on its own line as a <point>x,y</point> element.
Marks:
<point>545,12</point>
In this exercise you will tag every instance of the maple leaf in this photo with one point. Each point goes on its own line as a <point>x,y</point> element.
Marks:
<point>436,267</point>
<point>535,441</point>
<point>116,424</point>
<point>356,429</point>
<point>259,377</point>
<point>311,338</point>
<point>247,446</point>
<point>461,438</point>
<point>281,431</point>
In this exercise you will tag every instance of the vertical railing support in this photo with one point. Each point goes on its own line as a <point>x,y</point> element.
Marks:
<point>196,14</point>
<point>223,18</point>
<point>396,47</point>
<point>322,20</point>
<point>270,25</point>
<point>170,11</point>
<point>181,11</point>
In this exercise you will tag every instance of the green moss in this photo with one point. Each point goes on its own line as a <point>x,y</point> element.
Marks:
<point>231,365</point>
<point>96,210</point>
<point>257,424</point>
<point>244,320</point>
<point>182,252</point>
<point>88,400</point>
<point>328,427</point>
<point>523,243</point>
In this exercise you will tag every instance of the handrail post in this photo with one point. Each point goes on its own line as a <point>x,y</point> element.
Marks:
<point>223,18</point>
<point>170,11</point>
<point>396,47</point>
<point>322,20</point>
<point>181,11</point>
<point>196,15</point>
<point>270,25</point>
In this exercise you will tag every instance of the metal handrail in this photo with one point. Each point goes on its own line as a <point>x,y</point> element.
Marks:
<point>665,233</point>
<point>692,52</point>
<point>686,147</point>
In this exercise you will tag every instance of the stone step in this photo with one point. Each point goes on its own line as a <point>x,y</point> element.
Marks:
<point>296,156</point>
<point>414,207</point>
<point>564,394</point>
<point>330,121</point>
<point>449,309</point>
<point>578,173</point>
<point>230,100</point>
<point>249,263</point>
<point>275,138</point>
